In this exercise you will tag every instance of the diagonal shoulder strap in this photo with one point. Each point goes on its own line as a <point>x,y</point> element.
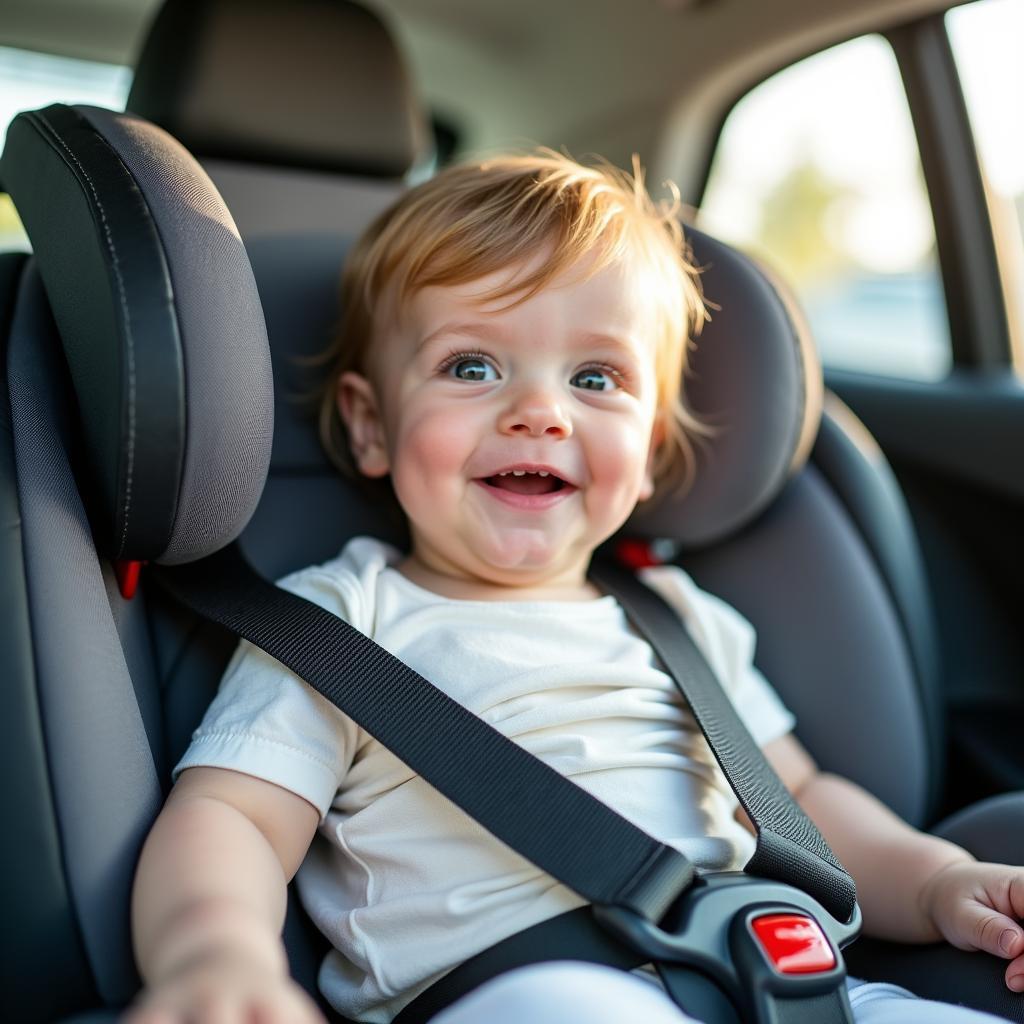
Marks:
<point>517,797</point>
<point>789,846</point>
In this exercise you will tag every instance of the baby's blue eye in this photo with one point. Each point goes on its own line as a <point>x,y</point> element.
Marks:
<point>474,370</point>
<point>593,379</point>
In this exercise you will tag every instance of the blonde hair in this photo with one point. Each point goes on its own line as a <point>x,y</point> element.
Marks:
<point>476,218</point>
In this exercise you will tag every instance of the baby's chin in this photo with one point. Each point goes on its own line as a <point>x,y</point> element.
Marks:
<point>520,557</point>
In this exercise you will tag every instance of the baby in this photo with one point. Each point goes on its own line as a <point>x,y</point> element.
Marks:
<point>509,362</point>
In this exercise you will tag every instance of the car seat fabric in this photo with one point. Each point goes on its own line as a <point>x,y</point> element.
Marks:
<point>95,679</point>
<point>852,463</point>
<point>41,939</point>
<point>321,145</point>
<point>99,761</point>
<point>816,636</point>
<point>202,74</point>
<point>761,400</point>
<point>144,318</point>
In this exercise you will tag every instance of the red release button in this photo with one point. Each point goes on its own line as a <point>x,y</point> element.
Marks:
<point>795,944</point>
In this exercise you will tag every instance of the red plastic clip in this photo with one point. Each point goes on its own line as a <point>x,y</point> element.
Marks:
<point>127,574</point>
<point>795,943</point>
<point>639,554</point>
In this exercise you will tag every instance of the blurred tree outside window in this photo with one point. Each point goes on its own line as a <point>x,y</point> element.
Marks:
<point>817,173</point>
<point>986,39</point>
<point>31,80</point>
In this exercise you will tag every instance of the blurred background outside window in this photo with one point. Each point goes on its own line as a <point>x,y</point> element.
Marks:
<point>817,173</point>
<point>29,81</point>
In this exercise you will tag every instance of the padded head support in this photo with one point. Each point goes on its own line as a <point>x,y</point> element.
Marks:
<point>161,323</point>
<point>336,96</point>
<point>755,380</point>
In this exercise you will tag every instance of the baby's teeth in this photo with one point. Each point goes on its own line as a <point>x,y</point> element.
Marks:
<point>519,472</point>
<point>542,472</point>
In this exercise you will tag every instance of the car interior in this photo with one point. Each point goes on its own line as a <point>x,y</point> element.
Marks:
<point>184,268</point>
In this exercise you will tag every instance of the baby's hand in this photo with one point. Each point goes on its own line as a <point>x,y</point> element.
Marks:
<point>220,988</point>
<point>978,906</point>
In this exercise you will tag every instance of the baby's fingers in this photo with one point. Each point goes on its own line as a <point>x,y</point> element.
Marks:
<point>986,929</point>
<point>1015,975</point>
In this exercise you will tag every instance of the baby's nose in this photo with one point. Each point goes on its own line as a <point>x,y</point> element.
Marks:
<point>536,414</point>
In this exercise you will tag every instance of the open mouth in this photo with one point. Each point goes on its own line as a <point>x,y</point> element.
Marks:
<point>521,481</point>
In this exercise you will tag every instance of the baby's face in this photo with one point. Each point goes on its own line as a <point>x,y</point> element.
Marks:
<point>517,439</point>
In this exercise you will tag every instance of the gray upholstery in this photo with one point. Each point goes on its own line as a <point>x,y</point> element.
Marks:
<point>855,468</point>
<point>290,201</point>
<point>41,935</point>
<point>104,780</point>
<point>230,415</point>
<point>338,97</point>
<point>161,323</point>
<point>828,639</point>
<point>756,381</point>
<point>991,829</point>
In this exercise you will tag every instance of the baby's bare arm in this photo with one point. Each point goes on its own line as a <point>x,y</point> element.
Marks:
<point>912,887</point>
<point>210,894</point>
<point>889,860</point>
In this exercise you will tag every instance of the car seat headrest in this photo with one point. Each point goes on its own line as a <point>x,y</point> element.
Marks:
<point>161,324</point>
<point>338,97</point>
<point>755,380</point>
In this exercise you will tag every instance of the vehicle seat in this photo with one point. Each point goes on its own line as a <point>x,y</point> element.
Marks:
<point>788,542</point>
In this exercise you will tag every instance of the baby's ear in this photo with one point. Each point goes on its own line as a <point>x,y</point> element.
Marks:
<point>360,412</point>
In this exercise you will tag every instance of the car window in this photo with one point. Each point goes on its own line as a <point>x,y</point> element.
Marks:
<point>985,37</point>
<point>817,172</point>
<point>31,80</point>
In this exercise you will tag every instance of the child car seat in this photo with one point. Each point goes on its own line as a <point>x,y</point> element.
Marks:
<point>90,757</point>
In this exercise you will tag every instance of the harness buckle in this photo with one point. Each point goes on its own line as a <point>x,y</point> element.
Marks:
<point>769,951</point>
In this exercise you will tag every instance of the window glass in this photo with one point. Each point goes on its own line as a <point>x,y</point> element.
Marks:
<point>31,80</point>
<point>817,172</point>
<point>986,41</point>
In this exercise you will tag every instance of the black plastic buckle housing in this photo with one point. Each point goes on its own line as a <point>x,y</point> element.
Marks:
<point>709,931</point>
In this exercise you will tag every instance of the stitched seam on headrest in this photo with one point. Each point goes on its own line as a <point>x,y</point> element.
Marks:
<point>127,327</point>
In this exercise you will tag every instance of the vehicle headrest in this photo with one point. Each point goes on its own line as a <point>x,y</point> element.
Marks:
<point>755,380</point>
<point>338,98</point>
<point>161,324</point>
<point>154,297</point>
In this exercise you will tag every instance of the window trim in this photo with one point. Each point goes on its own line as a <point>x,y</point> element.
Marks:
<point>975,302</point>
<point>971,277</point>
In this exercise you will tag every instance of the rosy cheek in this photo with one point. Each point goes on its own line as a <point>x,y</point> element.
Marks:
<point>431,445</point>
<point>622,459</point>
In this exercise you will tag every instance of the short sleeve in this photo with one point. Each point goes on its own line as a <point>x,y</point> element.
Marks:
<point>266,722</point>
<point>727,640</point>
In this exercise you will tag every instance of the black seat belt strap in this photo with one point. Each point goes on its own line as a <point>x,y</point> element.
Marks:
<point>789,847</point>
<point>517,797</point>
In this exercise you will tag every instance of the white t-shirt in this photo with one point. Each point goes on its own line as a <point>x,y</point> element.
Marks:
<point>404,884</point>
